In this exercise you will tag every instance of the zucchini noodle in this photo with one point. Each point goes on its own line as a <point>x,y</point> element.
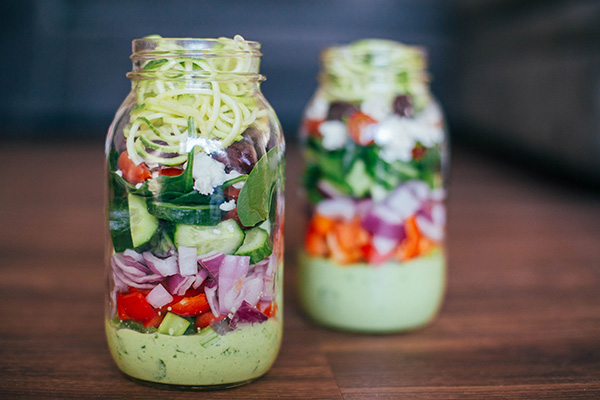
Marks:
<point>181,88</point>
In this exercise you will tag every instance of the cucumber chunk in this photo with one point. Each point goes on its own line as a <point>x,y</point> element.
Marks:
<point>118,222</point>
<point>226,237</point>
<point>173,325</point>
<point>143,225</point>
<point>203,214</point>
<point>256,245</point>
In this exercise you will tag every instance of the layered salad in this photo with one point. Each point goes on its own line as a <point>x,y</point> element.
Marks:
<point>374,147</point>
<point>195,212</point>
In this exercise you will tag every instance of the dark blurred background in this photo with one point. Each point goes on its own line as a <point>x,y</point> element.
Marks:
<point>518,78</point>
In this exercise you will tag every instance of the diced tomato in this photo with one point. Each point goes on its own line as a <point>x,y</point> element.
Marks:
<point>155,321</point>
<point>191,306</point>
<point>120,310</point>
<point>137,307</point>
<point>207,319</point>
<point>356,124</point>
<point>312,127</point>
<point>131,172</point>
<point>170,171</point>
<point>418,152</point>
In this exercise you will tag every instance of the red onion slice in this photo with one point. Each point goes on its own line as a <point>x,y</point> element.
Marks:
<point>188,260</point>
<point>230,282</point>
<point>159,296</point>
<point>341,207</point>
<point>162,266</point>
<point>178,284</point>
<point>200,277</point>
<point>212,262</point>
<point>252,289</point>
<point>210,289</point>
<point>247,314</point>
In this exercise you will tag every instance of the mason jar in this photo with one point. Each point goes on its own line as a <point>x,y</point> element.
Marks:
<point>375,156</point>
<point>194,161</point>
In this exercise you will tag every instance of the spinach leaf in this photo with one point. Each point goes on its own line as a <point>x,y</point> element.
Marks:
<point>254,201</point>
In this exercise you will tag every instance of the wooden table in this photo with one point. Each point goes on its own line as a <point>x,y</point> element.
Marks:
<point>521,317</point>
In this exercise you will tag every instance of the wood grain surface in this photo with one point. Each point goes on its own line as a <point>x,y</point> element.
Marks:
<point>521,319</point>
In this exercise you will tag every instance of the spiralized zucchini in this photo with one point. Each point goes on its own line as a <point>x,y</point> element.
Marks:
<point>184,88</point>
<point>375,68</point>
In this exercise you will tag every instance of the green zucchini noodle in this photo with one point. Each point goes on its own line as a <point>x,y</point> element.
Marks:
<point>374,68</point>
<point>180,88</point>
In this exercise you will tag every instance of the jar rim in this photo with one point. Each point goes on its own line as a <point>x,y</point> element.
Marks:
<point>156,45</point>
<point>378,54</point>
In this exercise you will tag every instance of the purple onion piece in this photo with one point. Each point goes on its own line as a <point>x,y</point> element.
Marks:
<point>252,289</point>
<point>178,284</point>
<point>341,207</point>
<point>246,314</point>
<point>212,262</point>
<point>188,260</point>
<point>210,289</point>
<point>230,282</point>
<point>159,296</point>
<point>200,277</point>
<point>161,266</point>
<point>379,226</point>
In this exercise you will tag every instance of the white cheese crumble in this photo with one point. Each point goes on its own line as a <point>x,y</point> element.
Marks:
<point>228,205</point>
<point>334,134</point>
<point>394,137</point>
<point>209,173</point>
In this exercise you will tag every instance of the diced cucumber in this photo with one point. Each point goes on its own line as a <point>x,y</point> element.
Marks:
<point>256,245</point>
<point>226,237</point>
<point>359,179</point>
<point>173,325</point>
<point>118,222</point>
<point>203,214</point>
<point>143,225</point>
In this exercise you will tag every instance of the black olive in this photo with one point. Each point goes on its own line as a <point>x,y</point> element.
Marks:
<point>339,110</point>
<point>403,105</point>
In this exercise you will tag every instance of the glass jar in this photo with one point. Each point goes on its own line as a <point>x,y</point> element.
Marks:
<point>374,146</point>
<point>195,216</point>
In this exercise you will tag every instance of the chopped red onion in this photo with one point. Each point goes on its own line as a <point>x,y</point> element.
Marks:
<point>384,225</point>
<point>231,274</point>
<point>432,225</point>
<point>178,284</point>
<point>210,289</point>
<point>212,262</point>
<point>402,203</point>
<point>188,260</point>
<point>384,245</point>
<point>200,277</point>
<point>246,314</point>
<point>341,207</point>
<point>162,266</point>
<point>159,296</point>
<point>129,281</point>
<point>252,289</point>
<point>135,256</point>
<point>128,265</point>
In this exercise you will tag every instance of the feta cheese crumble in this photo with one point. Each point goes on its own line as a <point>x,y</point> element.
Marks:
<point>228,205</point>
<point>334,134</point>
<point>209,173</point>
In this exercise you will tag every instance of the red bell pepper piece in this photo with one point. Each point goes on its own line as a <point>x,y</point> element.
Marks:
<point>207,319</point>
<point>136,306</point>
<point>191,306</point>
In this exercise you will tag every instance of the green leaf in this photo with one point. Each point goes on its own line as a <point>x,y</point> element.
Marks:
<point>254,201</point>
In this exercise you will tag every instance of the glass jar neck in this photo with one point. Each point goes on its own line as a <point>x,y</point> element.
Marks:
<point>199,60</point>
<point>372,67</point>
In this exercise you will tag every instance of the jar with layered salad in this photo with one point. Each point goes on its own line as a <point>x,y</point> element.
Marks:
<point>375,156</point>
<point>195,217</point>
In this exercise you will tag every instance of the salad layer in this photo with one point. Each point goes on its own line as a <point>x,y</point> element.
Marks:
<point>195,168</point>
